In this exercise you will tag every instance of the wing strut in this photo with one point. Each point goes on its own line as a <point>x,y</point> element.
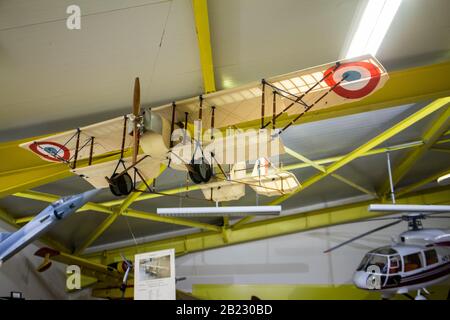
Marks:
<point>299,98</point>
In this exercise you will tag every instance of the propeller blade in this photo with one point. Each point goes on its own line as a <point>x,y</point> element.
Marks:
<point>137,97</point>
<point>363,235</point>
<point>136,112</point>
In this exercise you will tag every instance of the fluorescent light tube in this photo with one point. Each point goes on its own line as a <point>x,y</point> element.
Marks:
<point>220,211</point>
<point>373,26</point>
<point>443,178</point>
<point>408,208</point>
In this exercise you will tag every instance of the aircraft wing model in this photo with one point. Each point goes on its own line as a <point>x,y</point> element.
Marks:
<point>163,135</point>
<point>11,243</point>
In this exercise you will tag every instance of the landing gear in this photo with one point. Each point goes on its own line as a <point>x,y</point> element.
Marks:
<point>200,172</point>
<point>420,296</point>
<point>120,184</point>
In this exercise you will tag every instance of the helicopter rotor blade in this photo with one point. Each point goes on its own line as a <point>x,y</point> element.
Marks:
<point>363,235</point>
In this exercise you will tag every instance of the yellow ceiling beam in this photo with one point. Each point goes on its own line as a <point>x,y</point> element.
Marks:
<point>321,168</point>
<point>267,228</point>
<point>179,221</point>
<point>22,170</point>
<point>98,232</point>
<point>413,187</point>
<point>47,197</point>
<point>389,133</point>
<point>156,195</point>
<point>116,213</point>
<point>141,188</point>
<point>446,150</point>
<point>290,167</point>
<point>111,210</point>
<point>431,135</point>
<point>200,8</point>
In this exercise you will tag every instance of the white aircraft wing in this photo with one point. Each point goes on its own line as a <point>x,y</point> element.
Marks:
<point>338,82</point>
<point>107,137</point>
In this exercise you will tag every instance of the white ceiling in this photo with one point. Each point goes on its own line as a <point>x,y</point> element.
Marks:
<point>54,79</point>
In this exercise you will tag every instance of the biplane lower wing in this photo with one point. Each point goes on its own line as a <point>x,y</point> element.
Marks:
<point>265,180</point>
<point>95,174</point>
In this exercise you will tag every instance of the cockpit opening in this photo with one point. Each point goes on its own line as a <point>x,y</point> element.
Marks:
<point>386,259</point>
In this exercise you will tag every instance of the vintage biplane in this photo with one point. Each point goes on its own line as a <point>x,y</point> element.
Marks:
<point>205,136</point>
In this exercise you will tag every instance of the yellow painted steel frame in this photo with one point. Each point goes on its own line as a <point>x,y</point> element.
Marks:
<point>204,43</point>
<point>107,207</point>
<point>295,166</point>
<point>431,135</point>
<point>402,125</point>
<point>267,228</point>
<point>24,170</point>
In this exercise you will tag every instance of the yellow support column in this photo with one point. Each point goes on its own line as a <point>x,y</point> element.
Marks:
<point>204,43</point>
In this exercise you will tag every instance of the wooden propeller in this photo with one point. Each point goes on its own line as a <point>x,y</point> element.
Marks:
<point>136,112</point>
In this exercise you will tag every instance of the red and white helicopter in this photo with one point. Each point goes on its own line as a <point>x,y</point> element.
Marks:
<point>118,153</point>
<point>418,258</point>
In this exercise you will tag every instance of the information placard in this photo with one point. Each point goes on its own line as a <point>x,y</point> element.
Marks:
<point>154,275</point>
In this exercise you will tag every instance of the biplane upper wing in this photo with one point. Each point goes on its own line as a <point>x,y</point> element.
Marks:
<point>338,82</point>
<point>105,136</point>
<point>293,93</point>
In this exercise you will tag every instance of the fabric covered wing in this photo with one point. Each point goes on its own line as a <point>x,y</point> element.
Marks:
<point>95,174</point>
<point>107,137</point>
<point>362,76</point>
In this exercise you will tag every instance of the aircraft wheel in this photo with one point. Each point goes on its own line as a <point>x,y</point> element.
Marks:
<point>195,177</point>
<point>121,185</point>
<point>201,172</point>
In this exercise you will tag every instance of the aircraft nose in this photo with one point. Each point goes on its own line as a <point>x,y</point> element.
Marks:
<point>360,279</point>
<point>90,194</point>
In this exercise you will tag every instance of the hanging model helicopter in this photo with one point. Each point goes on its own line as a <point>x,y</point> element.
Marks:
<point>417,259</point>
<point>160,136</point>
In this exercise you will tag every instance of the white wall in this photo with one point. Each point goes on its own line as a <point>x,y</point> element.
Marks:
<point>19,274</point>
<point>292,259</point>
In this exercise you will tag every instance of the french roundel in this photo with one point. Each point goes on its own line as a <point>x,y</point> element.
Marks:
<point>51,150</point>
<point>361,78</point>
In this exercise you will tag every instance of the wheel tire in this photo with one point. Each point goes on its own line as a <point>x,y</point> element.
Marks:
<point>204,170</point>
<point>195,177</point>
<point>122,185</point>
<point>200,172</point>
